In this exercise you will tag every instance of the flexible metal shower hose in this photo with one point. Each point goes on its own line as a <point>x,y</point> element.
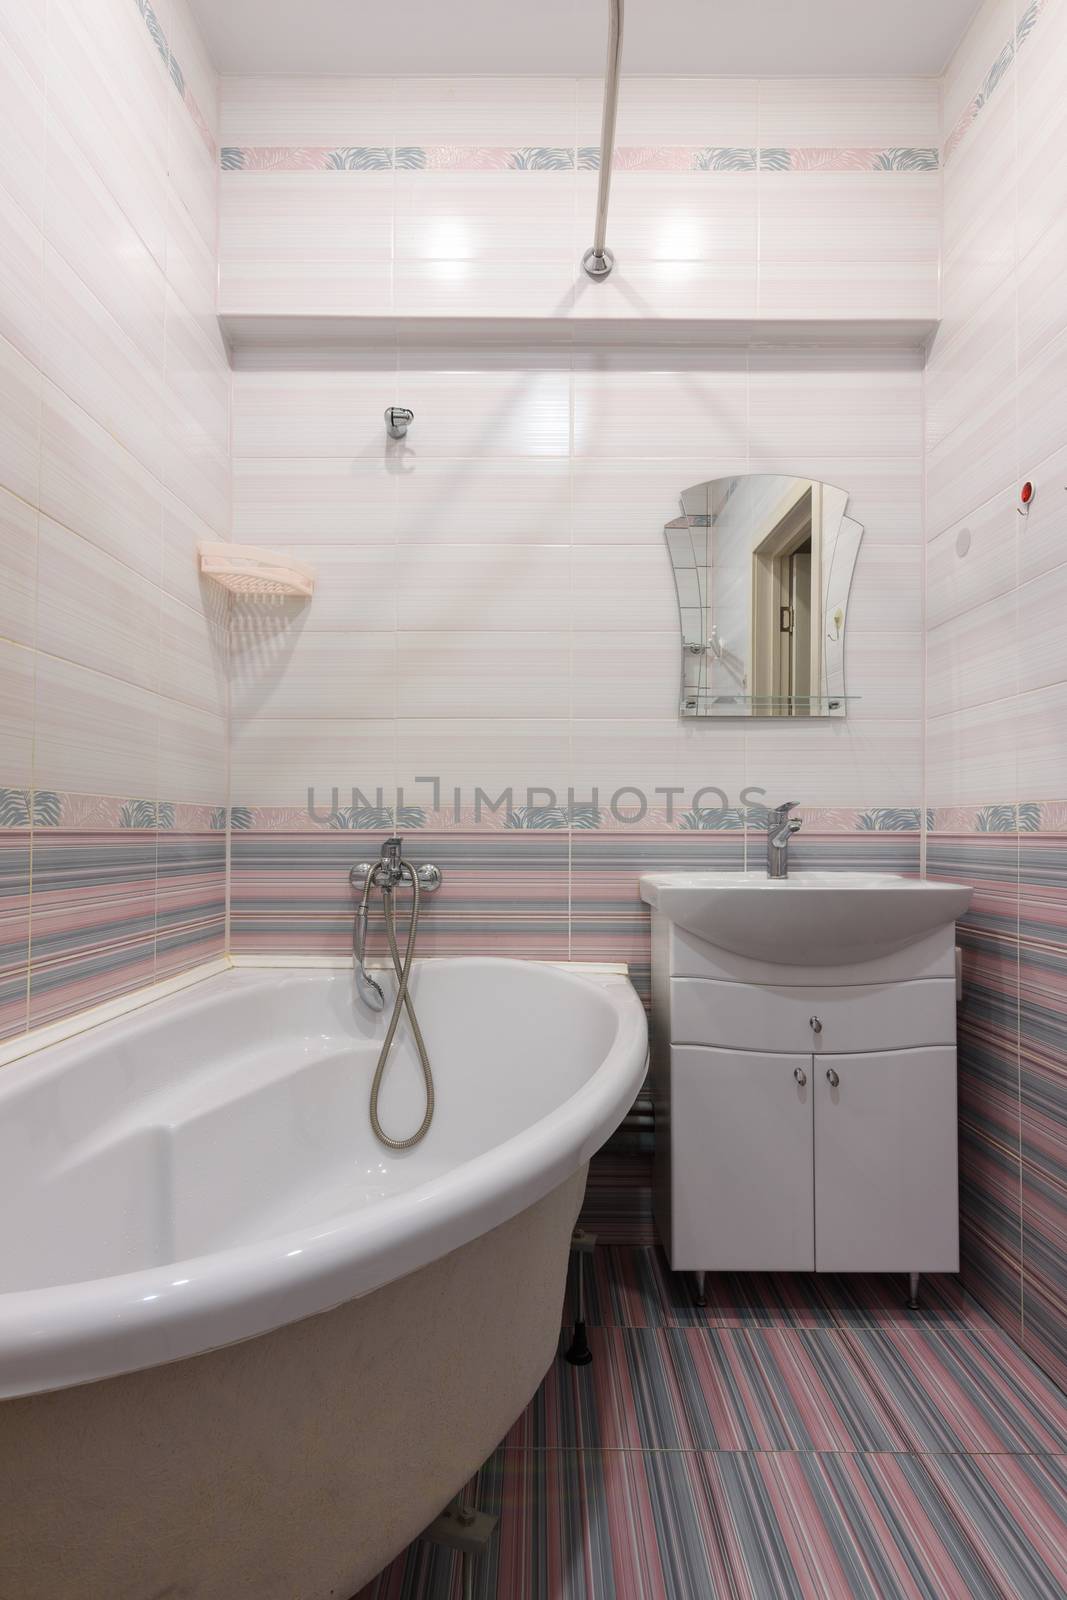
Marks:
<point>402,1002</point>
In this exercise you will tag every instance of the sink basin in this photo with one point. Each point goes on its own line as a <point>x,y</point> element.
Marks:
<point>808,919</point>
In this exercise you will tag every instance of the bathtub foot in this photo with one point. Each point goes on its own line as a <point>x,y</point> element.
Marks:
<point>699,1279</point>
<point>460,1527</point>
<point>578,1352</point>
<point>913,1290</point>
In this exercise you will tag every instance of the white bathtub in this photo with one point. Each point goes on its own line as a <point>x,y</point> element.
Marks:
<point>202,1235</point>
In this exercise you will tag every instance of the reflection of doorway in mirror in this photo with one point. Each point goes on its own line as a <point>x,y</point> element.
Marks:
<point>786,606</point>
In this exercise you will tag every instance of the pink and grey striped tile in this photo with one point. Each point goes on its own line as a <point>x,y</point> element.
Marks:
<point>664,1525</point>
<point>649,1474</point>
<point>506,894</point>
<point>14,929</point>
<point>956,1389</point>
<point>630,1287</point>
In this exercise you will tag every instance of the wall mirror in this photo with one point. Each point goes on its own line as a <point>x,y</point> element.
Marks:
<point>763,566</point>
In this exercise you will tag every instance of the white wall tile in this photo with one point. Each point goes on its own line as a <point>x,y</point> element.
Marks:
<point>1043,532</point>
<point>887,589</point>
<point>673,111</point>
<point>503,112</point>
<point>86,354</point>
<point>20,422</point>
<point>858,763</point>
<point>16,715</point>
<point>973,561</point>
<point>193,657</point>
<point>326,112</point>
<point>318,242</point>
<point>857,113</point>
<point>21,269</point>
<point>86,67</point>
<point>630,501</point>
<point>313,413</point>
<point>627,586</point>
<point>971,364</point>
<point>971,658</point>
<point>497,408</point>
<point>22,125</point>
<point>1042,638</point>
<point>661,404</point>
<point>192,753</point>
<point>18,593</point>
<point>94,733</point>
<point>481,289</point>
<point>314,500</point>
<point>479,587</point>
<point>1042,752</point>
<point>280,668</point>
<point>971,757</point>
<point>620,674</point>
<point>855,404</point>
<point>479,216</point>
<point>484,674</point>
<point>93,610</point>
<point>95,486</point>
<point>276,760</point>
<point>491,501</point>
<point>353,582</point>
<point>89,229</point>
<point>489,753</point>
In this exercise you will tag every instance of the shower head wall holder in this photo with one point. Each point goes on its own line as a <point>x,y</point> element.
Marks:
<point>252,572</point>
<point>397,421</point>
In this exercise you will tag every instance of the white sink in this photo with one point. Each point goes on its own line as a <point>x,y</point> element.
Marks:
<point>809,918</point>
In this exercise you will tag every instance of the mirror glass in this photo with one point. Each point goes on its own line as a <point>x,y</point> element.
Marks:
<point>763,565</point>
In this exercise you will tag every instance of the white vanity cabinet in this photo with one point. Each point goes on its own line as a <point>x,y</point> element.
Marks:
<point>805,1117</point>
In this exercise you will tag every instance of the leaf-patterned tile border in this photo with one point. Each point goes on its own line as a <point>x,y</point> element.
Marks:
<point>993,77</point>
<point>586,158</point>
<point>174,71</point>
<point>41,809</point>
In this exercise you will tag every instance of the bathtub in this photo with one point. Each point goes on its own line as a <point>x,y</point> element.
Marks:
<point>245,1350</point>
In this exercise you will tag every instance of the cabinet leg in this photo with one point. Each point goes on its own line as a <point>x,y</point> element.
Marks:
<point>913,1290</point>
<point>698,1283</point>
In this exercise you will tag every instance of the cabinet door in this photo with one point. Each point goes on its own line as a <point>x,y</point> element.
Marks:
<point>886,1190</point>
<point>741,1127</point>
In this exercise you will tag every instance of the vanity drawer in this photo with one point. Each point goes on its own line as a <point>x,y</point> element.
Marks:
<point>853,1018</point>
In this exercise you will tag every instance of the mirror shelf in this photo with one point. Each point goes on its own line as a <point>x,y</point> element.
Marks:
<point>763,566</point>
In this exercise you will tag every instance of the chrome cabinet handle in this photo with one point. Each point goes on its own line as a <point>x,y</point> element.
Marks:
<point>815,1025</point>
<point>800,1075</point>
<point>831,1077</point>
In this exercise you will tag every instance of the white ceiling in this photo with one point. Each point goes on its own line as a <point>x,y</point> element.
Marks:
<point>691,37</point>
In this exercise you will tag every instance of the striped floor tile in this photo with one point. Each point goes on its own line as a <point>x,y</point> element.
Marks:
<point>630,1525</point>
<point>800,1439</point>
<point>733,1389</point>
<point>635,1287</point>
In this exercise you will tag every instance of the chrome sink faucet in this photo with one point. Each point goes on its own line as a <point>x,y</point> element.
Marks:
<point>780,829</point>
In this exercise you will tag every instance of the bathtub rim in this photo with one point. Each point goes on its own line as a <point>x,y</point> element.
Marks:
<point>74,1333</point>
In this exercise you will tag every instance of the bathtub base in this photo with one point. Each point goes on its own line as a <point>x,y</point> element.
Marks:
<point>295,1465</point>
